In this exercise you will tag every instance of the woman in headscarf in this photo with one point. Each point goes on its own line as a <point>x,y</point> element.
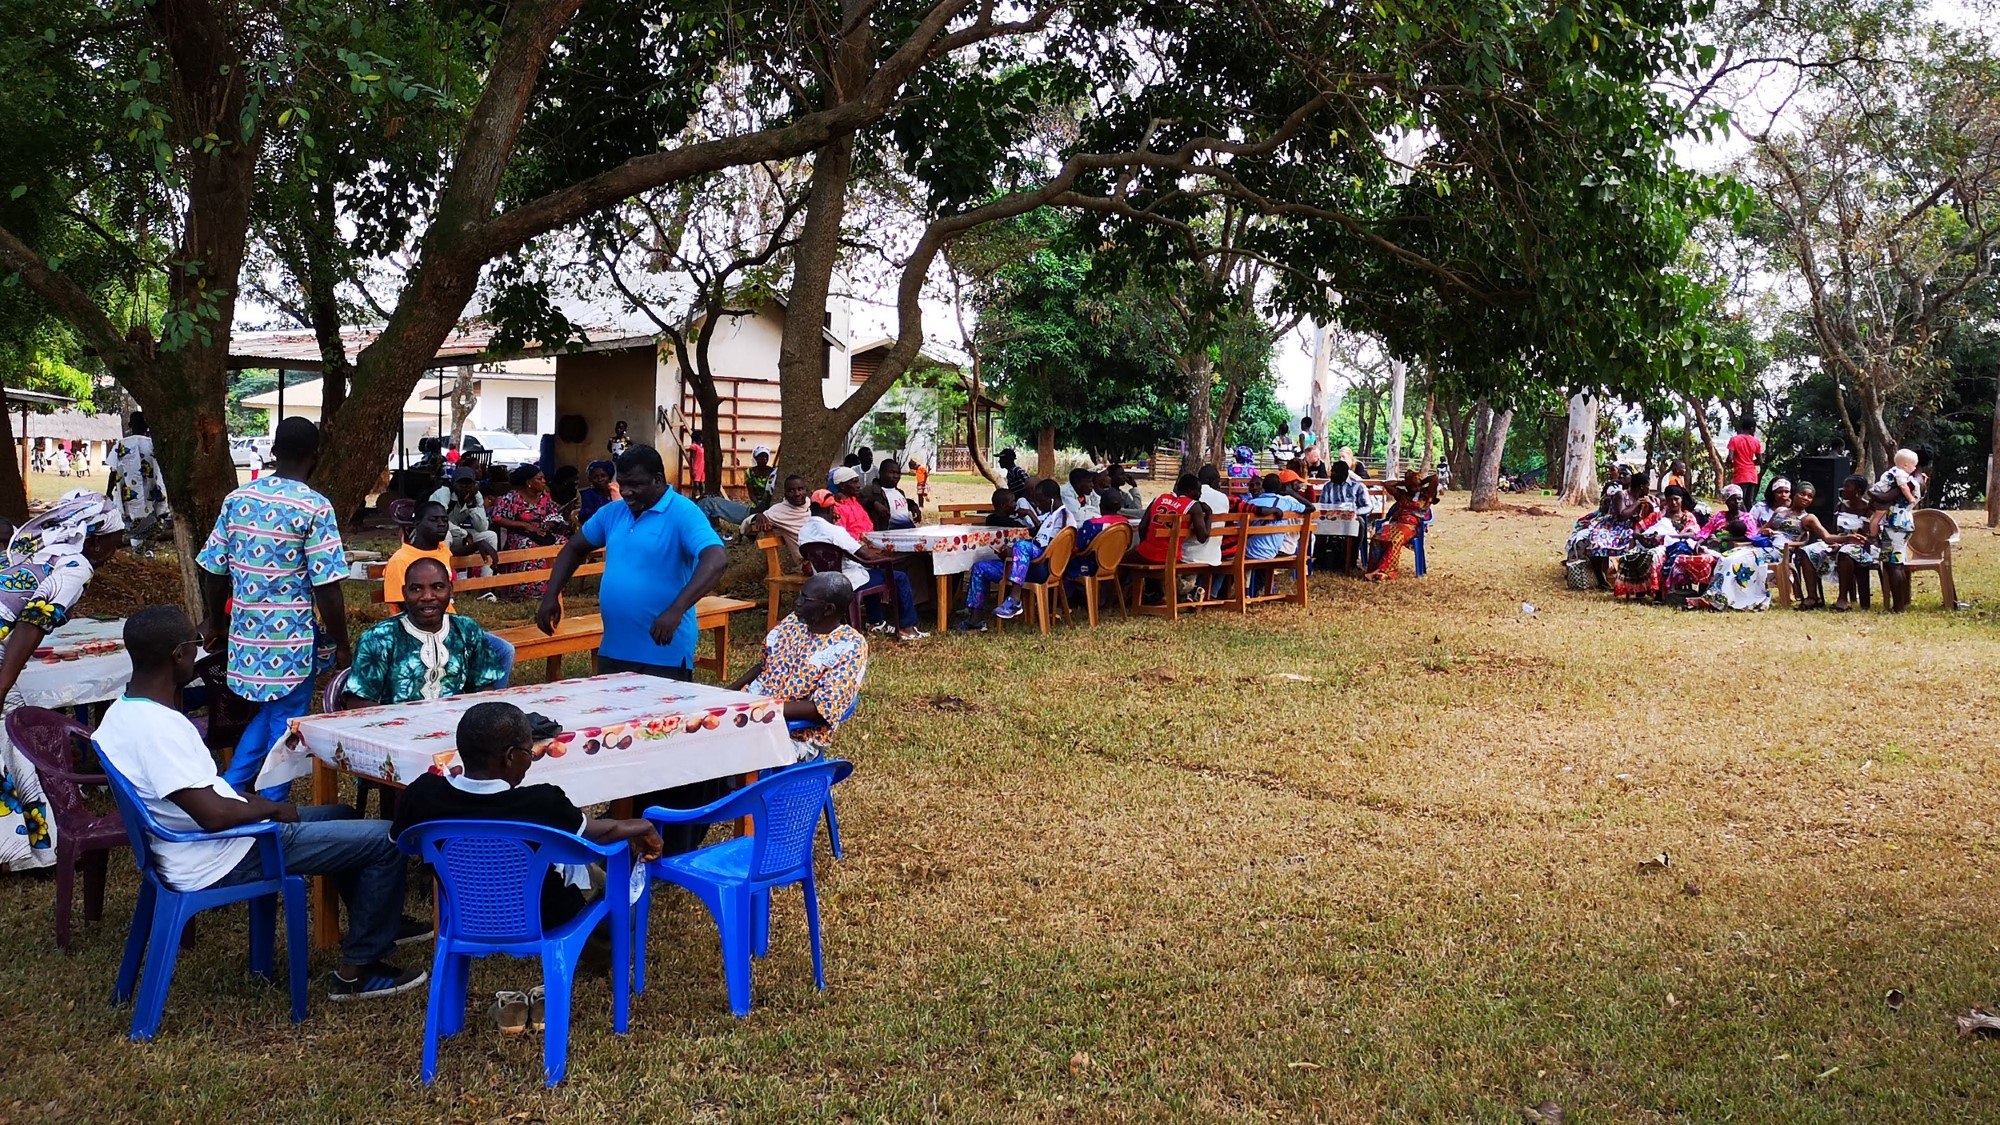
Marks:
<point>50,561</point>
<point>760,476</point>
<point>603,490</point>
<point>528,517</point>
<point>1243,464</point>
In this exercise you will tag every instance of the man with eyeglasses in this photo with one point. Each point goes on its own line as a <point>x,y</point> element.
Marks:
<point>146,738</point>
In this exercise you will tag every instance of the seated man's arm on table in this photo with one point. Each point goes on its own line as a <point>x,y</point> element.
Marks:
<point>215,812</point>
<point>641,834</point>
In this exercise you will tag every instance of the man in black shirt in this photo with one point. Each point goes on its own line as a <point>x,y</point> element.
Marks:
<point>1017,477</point>
<point>495,749</point>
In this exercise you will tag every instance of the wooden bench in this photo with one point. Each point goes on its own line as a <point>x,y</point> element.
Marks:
<point>579,632</point>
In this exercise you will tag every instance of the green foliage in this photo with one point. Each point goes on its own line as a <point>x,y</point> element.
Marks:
<point>243,384</point>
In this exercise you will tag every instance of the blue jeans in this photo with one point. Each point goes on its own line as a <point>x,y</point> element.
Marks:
<point>906,597</point>
<point>503,652</point>
<point>364,864</point>
<point>265,729</point>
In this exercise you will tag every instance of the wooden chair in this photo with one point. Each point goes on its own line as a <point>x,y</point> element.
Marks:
<point>1109,548</point>
<point>1056,556</point>
<point>1232,529</point>
<point>776,581</point>
<point>1137,569</point>
<point>1296,562</point>
<point>1930,549</point>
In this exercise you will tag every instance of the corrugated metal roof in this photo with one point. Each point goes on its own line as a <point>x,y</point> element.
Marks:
<point>471,343</point>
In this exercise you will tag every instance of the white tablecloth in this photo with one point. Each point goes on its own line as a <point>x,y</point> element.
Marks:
<point>67,683</point>
<point>953,547</point>
<point>623,735</point>
<point>1336,521</point>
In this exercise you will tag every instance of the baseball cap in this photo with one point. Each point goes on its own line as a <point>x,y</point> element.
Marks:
<point>824,499</point>
<point>844,474</point>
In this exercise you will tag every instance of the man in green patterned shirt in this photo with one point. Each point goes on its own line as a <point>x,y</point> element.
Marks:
<point>422,652</point>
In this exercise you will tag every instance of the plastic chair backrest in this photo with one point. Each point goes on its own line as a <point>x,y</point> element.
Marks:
<point>404,512</point>
<point>48,739</point>
<point>786,806</point>
<point>820,558</point>
<point>329,700</point>
<point>140,827</point>
<point>492,873</point>
<point>1057,553</point>
<point>228,713</point>
<point>1932,532</point>
<point>1110,547</point>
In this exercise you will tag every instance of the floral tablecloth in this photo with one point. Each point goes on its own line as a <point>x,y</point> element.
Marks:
<point>953,547</point>
<point>67,683</point>
<point>623,735</point>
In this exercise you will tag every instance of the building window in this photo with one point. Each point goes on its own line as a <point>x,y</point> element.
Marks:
<point>522,417</point>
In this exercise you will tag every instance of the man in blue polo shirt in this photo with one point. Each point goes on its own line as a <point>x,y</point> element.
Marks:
<point>660,556</point>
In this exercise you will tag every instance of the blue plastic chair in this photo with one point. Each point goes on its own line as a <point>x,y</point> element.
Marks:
<point>734,879</point>
<point>490,874</point>
<point>798,726</point>
<point>163,912</point>
<point>1419,567</point>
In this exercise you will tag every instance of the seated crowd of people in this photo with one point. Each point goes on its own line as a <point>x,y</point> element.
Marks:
<point>1668,547</point>
<point>864,495</point>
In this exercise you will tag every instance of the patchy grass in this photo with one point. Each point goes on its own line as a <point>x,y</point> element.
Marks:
<point>1137,874</point>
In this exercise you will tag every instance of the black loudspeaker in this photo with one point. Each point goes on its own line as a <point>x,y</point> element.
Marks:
<point>1825,471</point>
<point>572,429</point>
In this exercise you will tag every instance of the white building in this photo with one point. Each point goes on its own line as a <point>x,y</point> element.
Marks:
<point>517,396</point>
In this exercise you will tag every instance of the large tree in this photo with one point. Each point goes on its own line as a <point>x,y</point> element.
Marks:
<point>183,105</point>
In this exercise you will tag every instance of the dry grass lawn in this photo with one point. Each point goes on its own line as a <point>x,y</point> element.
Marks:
<point>1373,861</point>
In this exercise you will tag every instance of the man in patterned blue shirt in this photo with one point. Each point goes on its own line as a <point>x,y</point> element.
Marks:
<point>276,551</point>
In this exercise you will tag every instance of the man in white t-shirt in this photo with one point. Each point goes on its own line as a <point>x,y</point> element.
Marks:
<point>152,745</point>
<point>888,506</point>
<point>863,566</point>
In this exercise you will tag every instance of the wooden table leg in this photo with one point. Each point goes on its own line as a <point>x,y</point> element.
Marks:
<point>944,603</point>
<point>325,899</point>
<point>552,669</point>
<point>746,825</point>
<point>722,653</point>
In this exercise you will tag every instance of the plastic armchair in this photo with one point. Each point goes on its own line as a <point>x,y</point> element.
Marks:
<point>734,879</point>
<point>1931,541</point>
<point>490,875</point>
<point>404,511</point>
<point>825,558</point>
<point>1056,557</point>
<point>1109,549</point>
<point>1419,565</point>
<point>163,912</point>
<point>801,726</point>
<point>48,739</point>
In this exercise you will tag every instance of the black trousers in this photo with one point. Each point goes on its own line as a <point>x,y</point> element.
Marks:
<point>677,838</point>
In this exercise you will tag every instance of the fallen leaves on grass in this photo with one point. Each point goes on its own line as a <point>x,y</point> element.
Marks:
<point>1547,1113</point>
<point>1658,863</point>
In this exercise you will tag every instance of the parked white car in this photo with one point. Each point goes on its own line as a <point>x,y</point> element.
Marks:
<point>502,448</point>
<point>250,452</point>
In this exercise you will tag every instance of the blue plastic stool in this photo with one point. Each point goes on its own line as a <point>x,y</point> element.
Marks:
<point>734,879</point>
<point>490,875</point>
<point>163,912</point>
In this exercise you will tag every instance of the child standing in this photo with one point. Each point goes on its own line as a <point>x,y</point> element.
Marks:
<point>922,473</point>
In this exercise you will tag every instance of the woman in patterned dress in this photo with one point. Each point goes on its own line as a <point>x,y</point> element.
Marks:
<point>1856,555</point>
<point>814,661</point>
<point>1405,521</point>
<point>528,517</point>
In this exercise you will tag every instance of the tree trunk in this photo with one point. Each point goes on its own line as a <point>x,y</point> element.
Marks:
<point>1430,437</point>
<point>1045,452</point>
<point>1491,447</point>
<point>1579,485</point>
<point>1199,372</point>
<point>464,397</point>
<point>13,488</point>
<point>1699,413</point>
<point>1993,467</point>
<point>1316,404</point>
<point>1392,454</point>
<point>813,438</point>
